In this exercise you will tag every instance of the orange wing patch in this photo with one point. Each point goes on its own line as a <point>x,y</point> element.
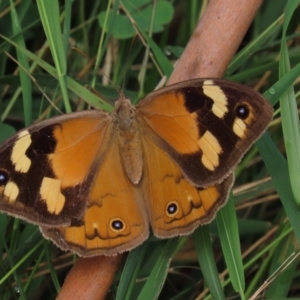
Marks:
<point>176,125</point>
<point>115,219</point>
<point>76,153</point>
<point>175,206</point>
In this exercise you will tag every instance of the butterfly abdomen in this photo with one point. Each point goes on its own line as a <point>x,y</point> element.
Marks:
<point>129,139</point>
<point>131,152</point>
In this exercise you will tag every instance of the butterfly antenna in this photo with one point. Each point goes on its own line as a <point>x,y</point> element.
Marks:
<point>92,63</point>
<point>127,61</point>
<point>120,94</point>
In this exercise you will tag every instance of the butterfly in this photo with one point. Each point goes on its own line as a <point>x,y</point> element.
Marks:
<point>96,181</point>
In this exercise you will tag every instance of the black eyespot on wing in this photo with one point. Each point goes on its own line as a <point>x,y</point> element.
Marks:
<point>117,224</point>
<point>172,208</point>
<point>4,177</point>
<point>242,111</point>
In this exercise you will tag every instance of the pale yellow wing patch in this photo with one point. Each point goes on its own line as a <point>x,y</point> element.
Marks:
<point>11,192</point>
<point>211,150</point>
<point>220,106</point>
<point>18,156</point>
<point>50,192</point>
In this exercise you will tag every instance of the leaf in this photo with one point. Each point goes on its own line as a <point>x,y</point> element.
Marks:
<point>141,13</point>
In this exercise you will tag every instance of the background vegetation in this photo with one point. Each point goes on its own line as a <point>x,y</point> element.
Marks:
<point>42,64</point>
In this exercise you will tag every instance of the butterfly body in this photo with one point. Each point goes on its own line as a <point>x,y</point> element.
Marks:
<point>129,138</point>
<point>94,181</point>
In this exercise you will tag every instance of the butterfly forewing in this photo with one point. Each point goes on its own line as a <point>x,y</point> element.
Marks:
<point>47,168</point>
<point>205,125</point>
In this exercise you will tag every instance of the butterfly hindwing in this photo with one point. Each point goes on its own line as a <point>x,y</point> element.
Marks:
<point>205,125</point>
<point>115,218</point>
<point>46,169</point>
<point>175,206</point>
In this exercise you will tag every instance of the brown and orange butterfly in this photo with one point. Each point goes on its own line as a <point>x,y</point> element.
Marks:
<point>94,181</point>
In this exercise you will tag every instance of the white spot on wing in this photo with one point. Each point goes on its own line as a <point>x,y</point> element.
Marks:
<point>11,192</point>
<point>18,156</point>
<point>239,128</point>
<point>211,149</point>
<point>51,194</point>
<point>214,92</point>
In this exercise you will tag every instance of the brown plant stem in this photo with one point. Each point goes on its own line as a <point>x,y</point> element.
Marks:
<point>215,39</point>
<point>90,278</point>
<point>208,53</point>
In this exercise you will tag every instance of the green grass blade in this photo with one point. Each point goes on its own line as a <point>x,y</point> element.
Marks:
<point>159,56</point>
<point>51,267</point>
<point>159,272</point>
<point>23,61</point>
<point>75,87</point>
<point>275,243</point>
<point>283,278</point>
<point>281,86</point>
<point>20,262</point>
<point>67,24</point>
<point>278,169</point>
<point>255,45</point>
<point>207,262</point>
<point>49,13</point>
<point>229,236</point>
<point>128,276</point>
<point>289,112</point>
<point>290,127</point>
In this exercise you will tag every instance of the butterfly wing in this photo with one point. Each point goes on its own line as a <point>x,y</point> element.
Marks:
<point>67,174</point>
<point>175,206</point>
<point>205,125</point>
<point>115,219</point>
<point>46,170</point>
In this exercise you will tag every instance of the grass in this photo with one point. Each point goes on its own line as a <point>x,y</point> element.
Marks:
<point>51,74</point>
